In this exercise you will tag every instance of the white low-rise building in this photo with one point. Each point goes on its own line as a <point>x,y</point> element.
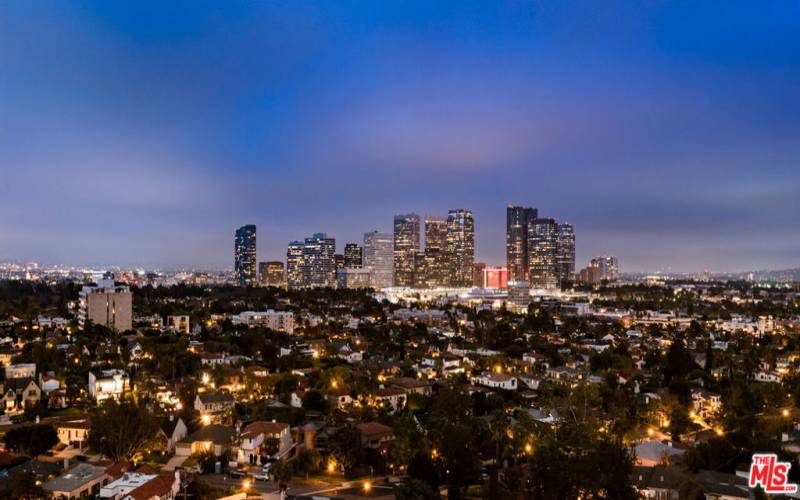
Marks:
<point>107,384</point>
<point>22,370</point>
<point>282,321</point>
<point>496,381</point>
<point>128,482</point>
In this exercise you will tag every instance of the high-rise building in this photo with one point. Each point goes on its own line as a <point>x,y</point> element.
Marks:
<point>477,274</point>
<point>542,253</point>
<point>519,296</point>
<point>517,221</point>
<point>379,256</point>
<point>245,255</point>
<point>319,261</point>
<point>353,256</point>
<point>460,248</point>
<point>406,247</point>
<point>354,277</point>
<point>590,275</point>
<point>608,266</point>
<point>338,260</point>
<point>106,304</point>
<point>565,258</point>
<point>434,260</point>
<point>271,273</point>
<point>294,264</point>
<point>495,277</point>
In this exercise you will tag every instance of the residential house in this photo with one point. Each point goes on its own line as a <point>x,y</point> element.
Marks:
<point>213,404</point>
<point>74,432</point>
<point>84,480</point>
<point>389,397</point>
<point>214,438</point>
<point>658,483</point>
<point>172,430</point>
<point>496,381</point>
<point>108,384</point>
<point>256,435</point>
<point>161,487</point>
<point>374,435</point>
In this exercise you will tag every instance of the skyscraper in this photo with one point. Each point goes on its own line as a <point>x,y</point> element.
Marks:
<point>542,253</point>
<point>294,264</point>
<point>406,247</point>
<point>319,261</point>
<point>434,260</point>
<point>379,255</point>
<point>517,221</point>
<point>460,247</point>
<point>271,273</point>
<point>566,255</point>
<point>353,256</point>
<point>608,266</point>
<point>245,255</point>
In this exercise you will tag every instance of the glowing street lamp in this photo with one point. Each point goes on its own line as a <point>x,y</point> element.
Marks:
<point>206,419</point>
<point>367,486</point>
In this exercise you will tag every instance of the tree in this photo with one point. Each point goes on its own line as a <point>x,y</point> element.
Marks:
<point>24,486</point>
<point>422,468</point>
<point>282,474</point>
<point>314,400</point>
<point>344,448</point>
<point>415,489</point>
<point>121,429</point>
<point>32,440</point>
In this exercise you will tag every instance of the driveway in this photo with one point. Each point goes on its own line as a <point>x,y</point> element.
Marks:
<point>174,462</point>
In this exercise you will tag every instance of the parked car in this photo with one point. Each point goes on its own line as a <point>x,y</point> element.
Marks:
<point>261,476</point>
<point>236,473</point>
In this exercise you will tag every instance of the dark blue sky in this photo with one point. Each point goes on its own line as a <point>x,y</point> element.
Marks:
<point>143,133</point>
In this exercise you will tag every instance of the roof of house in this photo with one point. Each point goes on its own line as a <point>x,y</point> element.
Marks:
<point>168,425</point>
<point>158,486</point>
<point>720,483</point>
<point>73,479</point>
<point>389,391</point>
<point>373,428</point>
<point>206,398</point>
<point>262,427</point>
<point>217,434</point>
<point>658,477</point>
<point>655,451</point>
<point>116,470</point>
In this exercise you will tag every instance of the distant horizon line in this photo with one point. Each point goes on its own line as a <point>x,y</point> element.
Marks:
<point>216,268</point>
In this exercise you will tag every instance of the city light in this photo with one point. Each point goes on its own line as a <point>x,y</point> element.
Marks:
<point>206,418</point>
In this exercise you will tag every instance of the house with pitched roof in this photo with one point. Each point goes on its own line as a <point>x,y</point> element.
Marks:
<point>259,438</point>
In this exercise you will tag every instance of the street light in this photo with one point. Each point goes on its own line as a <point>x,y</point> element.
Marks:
<point>367,486</point>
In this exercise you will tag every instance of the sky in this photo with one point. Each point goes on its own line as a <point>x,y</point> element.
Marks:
<point>143,133</point>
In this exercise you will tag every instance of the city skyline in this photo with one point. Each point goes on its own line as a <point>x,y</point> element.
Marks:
<point>666,134</point>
